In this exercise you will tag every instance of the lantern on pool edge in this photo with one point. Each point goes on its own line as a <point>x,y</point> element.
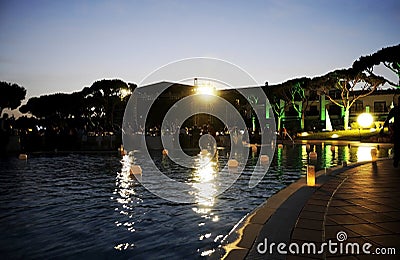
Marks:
<point>310,175</point>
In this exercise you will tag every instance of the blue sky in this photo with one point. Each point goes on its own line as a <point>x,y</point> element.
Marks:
<point>62,46</point>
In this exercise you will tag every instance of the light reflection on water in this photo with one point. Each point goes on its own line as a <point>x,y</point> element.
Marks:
<point>126,196</point>
<point>60,206</point>
<point>204,177</point>
<point>288,165</point>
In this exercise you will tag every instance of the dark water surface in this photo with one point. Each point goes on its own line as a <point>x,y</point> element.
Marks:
<point>82,206</point>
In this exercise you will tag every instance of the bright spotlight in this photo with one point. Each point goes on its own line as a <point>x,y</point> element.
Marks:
<point>205,90</point>
<point>365,120</point>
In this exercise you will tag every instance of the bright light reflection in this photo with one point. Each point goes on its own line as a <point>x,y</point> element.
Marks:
<point>126,197</point>
<point>279,157</point>
<point>203,181</point>
<point>203,211</point>
<point>304,154</point>
<point>124,246</point>
<point>205,174</point>
<point>346,153</point>
<point>328,156</point>
<point>207,252</point>
<point>204,178</point>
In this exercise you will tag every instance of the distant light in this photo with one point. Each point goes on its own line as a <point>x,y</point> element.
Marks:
<point>334,136</point>
<point>365,120</point>
<point>372,130</point>
<point>205,90</point>
<point>304,134</point>
<point>124,93</point>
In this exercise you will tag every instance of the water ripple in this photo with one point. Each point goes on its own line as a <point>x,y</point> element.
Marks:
<point>79,206</point>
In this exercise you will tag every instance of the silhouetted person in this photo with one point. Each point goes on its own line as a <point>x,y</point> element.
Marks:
<point>395,113</point>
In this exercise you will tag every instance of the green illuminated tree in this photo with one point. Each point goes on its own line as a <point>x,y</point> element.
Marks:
<point>294,93</point>
<point>351,84</point>
<point>277,96</point>
<point>297,93</point>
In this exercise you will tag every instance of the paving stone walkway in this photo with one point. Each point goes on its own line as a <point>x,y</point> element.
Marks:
<point>358,206</point>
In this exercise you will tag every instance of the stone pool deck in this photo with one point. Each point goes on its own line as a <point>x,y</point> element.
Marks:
<point>361,202</point>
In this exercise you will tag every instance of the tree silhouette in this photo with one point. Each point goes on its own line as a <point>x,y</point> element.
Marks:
<point>60,105</point>
<point>99,104</point>
<point>389,57</point>
<point>106,97</point>
<point>11,95</point>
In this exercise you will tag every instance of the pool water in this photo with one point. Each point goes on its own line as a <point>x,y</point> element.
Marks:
<point>84,206</point>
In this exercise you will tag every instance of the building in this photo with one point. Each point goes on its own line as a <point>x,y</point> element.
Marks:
<point>317,108</point>
<point>377,104</point>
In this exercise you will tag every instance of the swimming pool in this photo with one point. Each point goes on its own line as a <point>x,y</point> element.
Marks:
<point>82,205</point>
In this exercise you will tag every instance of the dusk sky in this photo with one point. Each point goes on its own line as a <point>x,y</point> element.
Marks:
<point>62,46</point>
